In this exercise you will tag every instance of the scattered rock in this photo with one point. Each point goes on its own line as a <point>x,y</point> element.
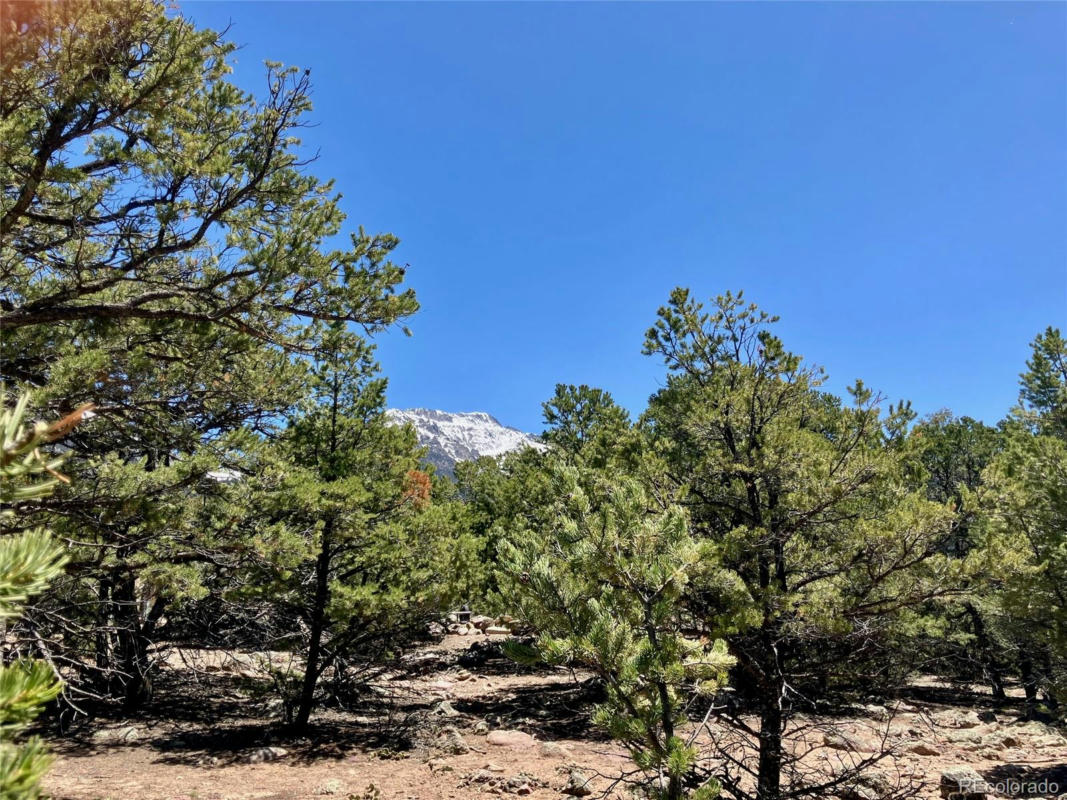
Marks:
<point>876,712</point>
<point>521,784</point>
<point>577,784</point>
<point>497,630</point>
<point>481,727</point>
<point>332,786</point>
<point>858,793</point>
<point>267,754</point>
<point>555,750</point>
<point>452,741</point>
<point>962,783</point>
<point>956,719</point>
<point>439,765</point>
<point>839,740</point>
<point>126,735</point>
<point>509,738</point>
<point>924,749</point>
<point>445,709</point>
<point>1001,740</point>
<point>491,767</point>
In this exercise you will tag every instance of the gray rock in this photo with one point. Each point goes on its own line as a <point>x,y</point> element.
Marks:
<point>452,741</point>
<point>264,754</point>
<point>962,783</point>
<point>445,709</point>
<point>126,735</point>
<point>839,740</point>
<point>554,750</point>
<point>577,784</point>
<point>332,786</point>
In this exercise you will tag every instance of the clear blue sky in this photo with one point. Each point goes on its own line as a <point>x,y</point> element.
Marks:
<point>889,178</point>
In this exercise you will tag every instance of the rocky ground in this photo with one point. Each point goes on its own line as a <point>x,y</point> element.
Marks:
<point>459,721</point>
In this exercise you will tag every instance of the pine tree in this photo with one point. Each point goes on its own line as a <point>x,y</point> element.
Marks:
<point>373,564</point>
<point>166,252</point>
<point>29,561</point>
<point>806,504</point>
<point>604,583</point>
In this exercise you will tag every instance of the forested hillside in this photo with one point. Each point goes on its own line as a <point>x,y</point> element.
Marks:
<point>731,574</point>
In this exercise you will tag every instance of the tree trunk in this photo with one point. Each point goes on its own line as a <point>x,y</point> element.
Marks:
<point>990,667</point>
<point>769,776</point>
<point>1029,679</point>
<point>318,617</point>
<point>134,639</point>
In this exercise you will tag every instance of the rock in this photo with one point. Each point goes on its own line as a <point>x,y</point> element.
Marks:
<point>987,716</point>
<point>964,737</point>
<point>924,749</point>
<point>439,765</point>
<point>491,767</point>
<point>555,750</point>
<point>1001,740</point>
<point>481,728</point>
<point>264,754</point>
<point>876,712</point>
<point>517,785</point>
<point>452,741</point>
<point>126,735</point>
<point>436,629</point>
<point>955,719</point>
<point>444,709</point>
<point>577,784</point>
<point>497,630</point>
<point>858,793</point>
<point>508,738</point>
<point>962,783</point>
<point>332,786</point>
<point>839,740</point>
<point>481,622</point>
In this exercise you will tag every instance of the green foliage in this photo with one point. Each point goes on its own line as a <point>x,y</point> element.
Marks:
<point>29,561</point>
<point>581,419</point>
<point>1043,392</point>
<point>604,582</point>
<point>370,551</point>
<point>166,253</point>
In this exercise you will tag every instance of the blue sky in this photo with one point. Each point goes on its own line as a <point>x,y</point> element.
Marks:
<point>891,179</point>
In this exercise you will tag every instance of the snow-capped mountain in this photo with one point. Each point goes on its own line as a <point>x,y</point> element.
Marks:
<point>461,437</point>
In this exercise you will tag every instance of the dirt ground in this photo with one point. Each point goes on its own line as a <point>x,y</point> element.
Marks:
<point>524,732</point>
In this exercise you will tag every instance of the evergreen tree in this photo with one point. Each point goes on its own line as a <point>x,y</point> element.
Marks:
<point>165,252</point>
<point>587,420</point>
<point>374,565</point>
<point>1023,504</point>
<point>952,454</point>
<point>603,581</point>
<point>29,561</point>
<point>805,503</point>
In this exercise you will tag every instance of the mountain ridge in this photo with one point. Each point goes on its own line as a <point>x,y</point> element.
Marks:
<point>451,437</point>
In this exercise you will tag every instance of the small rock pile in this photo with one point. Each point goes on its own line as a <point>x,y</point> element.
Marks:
<point>520,784</point>
<point>478,623</point>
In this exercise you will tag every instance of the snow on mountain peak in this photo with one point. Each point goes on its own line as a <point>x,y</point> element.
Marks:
<point>452,437</point>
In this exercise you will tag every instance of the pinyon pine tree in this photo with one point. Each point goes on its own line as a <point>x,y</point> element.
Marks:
<point>603,582</point>
<point>29,560</point>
